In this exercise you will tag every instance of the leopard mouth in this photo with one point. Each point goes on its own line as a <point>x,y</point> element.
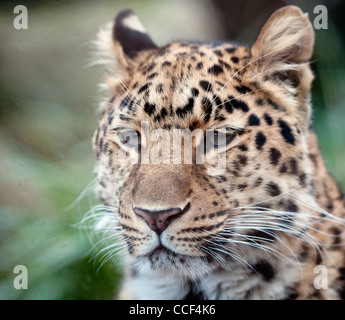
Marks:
<point>166,261</point>
<point>161,249</point>
<point>164,257</point>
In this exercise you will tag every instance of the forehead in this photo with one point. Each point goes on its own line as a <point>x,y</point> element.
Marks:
<point>186,63</point>
<point>184,83</point>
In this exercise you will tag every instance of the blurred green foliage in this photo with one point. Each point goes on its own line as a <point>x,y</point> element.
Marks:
<point>47,117</point>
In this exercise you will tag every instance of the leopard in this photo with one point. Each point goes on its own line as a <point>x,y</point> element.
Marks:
<point>266,224</point>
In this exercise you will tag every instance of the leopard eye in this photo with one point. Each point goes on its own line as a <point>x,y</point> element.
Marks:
<point>130,138</point>
<point>222,139</point>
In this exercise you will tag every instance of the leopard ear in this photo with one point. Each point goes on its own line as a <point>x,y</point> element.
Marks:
<point>117,46</point>
<point>285,41</point>
<point>130,34</point>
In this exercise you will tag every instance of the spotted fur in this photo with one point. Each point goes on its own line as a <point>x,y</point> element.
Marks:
<point>259,229</point>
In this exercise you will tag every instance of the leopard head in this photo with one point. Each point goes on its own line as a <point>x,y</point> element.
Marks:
<point>247,105</point>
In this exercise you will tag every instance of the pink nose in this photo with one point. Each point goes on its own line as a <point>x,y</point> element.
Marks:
<point>158,221</point>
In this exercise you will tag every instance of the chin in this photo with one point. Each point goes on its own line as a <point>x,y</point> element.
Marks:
<point>165,261</point>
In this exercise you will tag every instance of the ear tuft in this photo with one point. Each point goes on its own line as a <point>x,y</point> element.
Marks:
<point>286,40</point>
<point>130,33</point>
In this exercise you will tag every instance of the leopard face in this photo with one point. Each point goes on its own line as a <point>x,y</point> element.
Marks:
<point>185,218</point>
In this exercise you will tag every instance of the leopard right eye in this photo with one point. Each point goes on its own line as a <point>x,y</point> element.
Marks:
<point>130,138</point>
<point>222,139</point>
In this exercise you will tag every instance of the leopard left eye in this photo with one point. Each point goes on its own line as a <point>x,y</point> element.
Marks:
<point>222,139</point>
<point>130,138</point>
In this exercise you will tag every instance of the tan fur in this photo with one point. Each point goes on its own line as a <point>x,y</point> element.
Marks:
<point>259,229</point>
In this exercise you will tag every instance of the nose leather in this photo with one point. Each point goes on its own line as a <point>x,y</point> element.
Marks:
<point>159,220</point>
